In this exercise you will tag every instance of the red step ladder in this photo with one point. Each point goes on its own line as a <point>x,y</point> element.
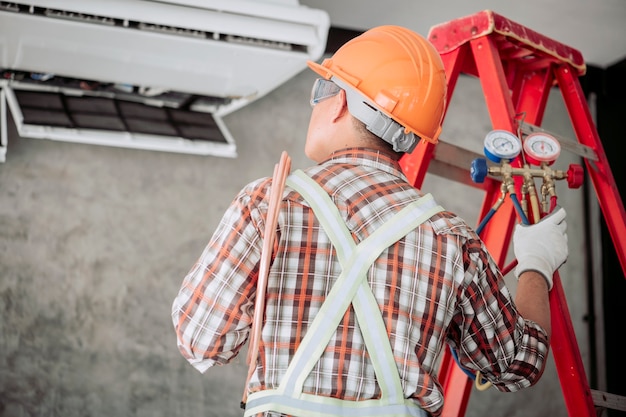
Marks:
<point>517,67</point>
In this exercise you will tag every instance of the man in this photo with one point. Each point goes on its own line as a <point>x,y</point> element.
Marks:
<point>370,279</point>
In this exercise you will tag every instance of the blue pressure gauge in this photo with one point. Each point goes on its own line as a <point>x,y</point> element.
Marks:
<point>502,145</point>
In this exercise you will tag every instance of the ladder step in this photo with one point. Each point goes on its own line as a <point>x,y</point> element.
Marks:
<point>607,400</point>
<point>517,42</point>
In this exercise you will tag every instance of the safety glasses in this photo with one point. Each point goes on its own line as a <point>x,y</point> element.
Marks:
<point>323,89</point>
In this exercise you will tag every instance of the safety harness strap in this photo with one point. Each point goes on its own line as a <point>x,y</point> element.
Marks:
<point>350,287</point>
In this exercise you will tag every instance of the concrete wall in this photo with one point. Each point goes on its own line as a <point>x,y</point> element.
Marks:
<point>95,241</point>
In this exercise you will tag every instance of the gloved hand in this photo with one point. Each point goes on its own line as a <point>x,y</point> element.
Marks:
<point>541,247</point>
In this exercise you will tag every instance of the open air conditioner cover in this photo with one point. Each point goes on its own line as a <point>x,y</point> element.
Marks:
<point>211,56</point>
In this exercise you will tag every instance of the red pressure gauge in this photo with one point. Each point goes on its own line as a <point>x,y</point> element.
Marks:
<point>541,148</point>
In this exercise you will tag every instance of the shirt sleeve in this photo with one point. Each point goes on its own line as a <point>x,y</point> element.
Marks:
<point>212,313</point>
<point>493,337</point>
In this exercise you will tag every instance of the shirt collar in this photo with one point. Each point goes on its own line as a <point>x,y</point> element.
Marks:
<point>367,157</point>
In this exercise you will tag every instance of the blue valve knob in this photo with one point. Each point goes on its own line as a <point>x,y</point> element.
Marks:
<point>479,170</point>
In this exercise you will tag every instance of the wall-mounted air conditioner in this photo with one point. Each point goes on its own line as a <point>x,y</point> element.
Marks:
<point>156,75</point>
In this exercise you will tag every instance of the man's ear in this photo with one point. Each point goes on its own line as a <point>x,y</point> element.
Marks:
<point>340,106</point>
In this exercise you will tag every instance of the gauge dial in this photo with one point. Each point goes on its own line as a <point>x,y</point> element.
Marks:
<point>541,147</point>
<point>502,144</point>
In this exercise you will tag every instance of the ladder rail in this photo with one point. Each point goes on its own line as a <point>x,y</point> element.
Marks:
<point>599,171</point>
<point>566,354</point>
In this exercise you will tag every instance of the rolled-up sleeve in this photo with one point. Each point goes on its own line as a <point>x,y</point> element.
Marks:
<point>213,310</point>
<point>493,337</point>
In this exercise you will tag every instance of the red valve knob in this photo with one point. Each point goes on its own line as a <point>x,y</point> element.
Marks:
<point>575,176</point>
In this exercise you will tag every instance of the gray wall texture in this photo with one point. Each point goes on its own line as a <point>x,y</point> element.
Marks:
<point>95,241</point>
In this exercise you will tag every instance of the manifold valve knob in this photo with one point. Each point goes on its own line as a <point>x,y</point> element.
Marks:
<point>479,170</point>
<point>575,176</point>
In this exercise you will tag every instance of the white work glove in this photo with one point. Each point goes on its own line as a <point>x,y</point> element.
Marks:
<point>541,247</point>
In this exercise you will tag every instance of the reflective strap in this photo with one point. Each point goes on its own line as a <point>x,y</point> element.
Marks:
<point>350,287</point>
<point>354,270</point>
<point>308,405</point>
<point>325,211</point>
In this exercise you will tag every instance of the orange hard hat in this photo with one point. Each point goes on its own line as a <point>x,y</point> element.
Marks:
<point>398,72</point>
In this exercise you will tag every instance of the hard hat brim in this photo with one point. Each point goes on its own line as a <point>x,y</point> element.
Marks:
<point>320,69</point>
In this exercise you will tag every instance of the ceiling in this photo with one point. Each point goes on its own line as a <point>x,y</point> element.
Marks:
<point>596,28</point>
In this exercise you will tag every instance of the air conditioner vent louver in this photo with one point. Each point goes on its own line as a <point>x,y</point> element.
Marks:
<point>148,26</point>
<point>64,14</point>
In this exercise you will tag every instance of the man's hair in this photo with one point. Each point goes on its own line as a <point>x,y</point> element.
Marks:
<point>370,139</point>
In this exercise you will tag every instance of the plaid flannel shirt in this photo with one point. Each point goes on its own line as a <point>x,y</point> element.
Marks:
<point>437,285</point>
